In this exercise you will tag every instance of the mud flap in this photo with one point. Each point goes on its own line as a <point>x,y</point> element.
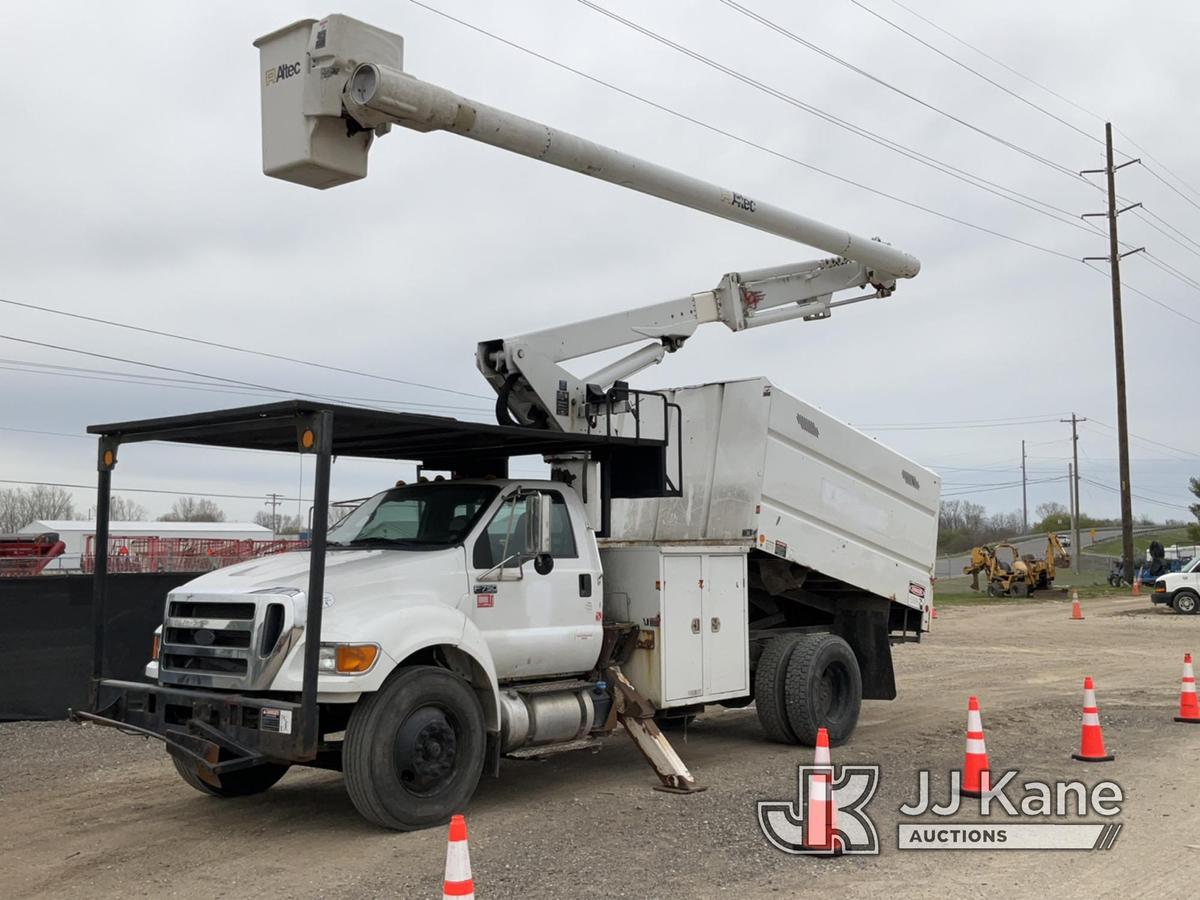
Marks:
<point>863,624</point>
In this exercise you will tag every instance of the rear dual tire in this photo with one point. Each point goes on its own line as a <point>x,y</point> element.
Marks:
<point>805,682</point>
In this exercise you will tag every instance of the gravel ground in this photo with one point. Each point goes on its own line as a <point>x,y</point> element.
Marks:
<point>88,812</point>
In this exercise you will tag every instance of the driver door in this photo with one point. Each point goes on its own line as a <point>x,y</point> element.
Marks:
<point>535,625</point>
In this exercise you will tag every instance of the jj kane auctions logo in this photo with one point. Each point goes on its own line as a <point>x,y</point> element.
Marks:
<point>829,815</point>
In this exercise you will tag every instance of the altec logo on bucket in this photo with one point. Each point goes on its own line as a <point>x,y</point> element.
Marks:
<point>829,816</point>
<point>280,72</point>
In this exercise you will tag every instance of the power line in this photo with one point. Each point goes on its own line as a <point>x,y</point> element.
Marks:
<point>1048,90</point>
<point>1168,234</point>
<point>1000,487</point>
<point>178,371</point>
<point>1144,439</point>
<point>262,353</point>
<point>135,378</point>
<point>1172,271</point>
<point>1003,65</point>
<point>1006,420</point>
<point>909,152</point>
<point>984,77</point>
<point>1114,490</point>
<point>132,490</point>
<point>1173,188</point>
<point>1153,215</point>
<point>134,362</point>
<point>779,29</point>
<point>175,446</point>
<point>746,141</point>
<point>1142,293</point>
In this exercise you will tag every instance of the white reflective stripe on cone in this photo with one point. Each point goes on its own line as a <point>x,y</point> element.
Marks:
<point>458,861</point>
<point>1091,719</point>
<point>974,722</point>
<point>975,747</point>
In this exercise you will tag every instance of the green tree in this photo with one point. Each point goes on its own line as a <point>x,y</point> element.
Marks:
<point>1194,530</point>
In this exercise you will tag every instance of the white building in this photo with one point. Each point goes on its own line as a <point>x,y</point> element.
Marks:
<point>74,533</point>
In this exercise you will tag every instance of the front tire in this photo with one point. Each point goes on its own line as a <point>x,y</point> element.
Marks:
<point>415,749</point>
<point>1185,602</point>
<point>240,783</point>
<point>823,689</point>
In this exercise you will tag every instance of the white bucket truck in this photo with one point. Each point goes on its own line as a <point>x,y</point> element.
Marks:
<point>722,543</point>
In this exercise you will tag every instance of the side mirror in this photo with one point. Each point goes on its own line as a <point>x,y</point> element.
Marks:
<point>537,540</point>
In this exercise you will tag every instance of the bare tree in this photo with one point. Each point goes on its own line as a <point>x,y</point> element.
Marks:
<point>962,525</point>
<point>20,506</point>
<point>279,523</point>
<point>122,509</point>
<point>194,509</point>
<point>1051,511</point>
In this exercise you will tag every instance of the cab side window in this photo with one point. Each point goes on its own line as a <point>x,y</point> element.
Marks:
<point>505,537</point>
<point>562,536</point>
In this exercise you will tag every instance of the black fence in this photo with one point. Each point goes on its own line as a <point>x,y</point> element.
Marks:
<point>46,637</point>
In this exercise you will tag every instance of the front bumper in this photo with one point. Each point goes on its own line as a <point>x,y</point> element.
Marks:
<point>222,732</point>
<point>1164,597</point>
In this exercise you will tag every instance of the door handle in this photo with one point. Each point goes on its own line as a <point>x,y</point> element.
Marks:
<point>716,624</point>
<point>696,626</point>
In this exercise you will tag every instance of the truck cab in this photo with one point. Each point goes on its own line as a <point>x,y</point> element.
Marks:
<point>1179,590</point>
<point>415,566</point>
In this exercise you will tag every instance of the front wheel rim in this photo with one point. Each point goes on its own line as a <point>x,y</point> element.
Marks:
<point>425,750</point>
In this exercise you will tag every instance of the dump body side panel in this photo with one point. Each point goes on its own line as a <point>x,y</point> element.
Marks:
<point>839,502</point>
<point>724,439</point>
<point>761,465</point>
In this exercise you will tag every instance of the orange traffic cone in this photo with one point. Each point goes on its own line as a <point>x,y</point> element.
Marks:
<point>1189,709</point>
<point>1091,741</point>
<point>820,821</point>
<point>458,884</point>
<point>1137,585</point>
<point>933,612</point>
<point>976,777</point>
<point>1076,609</point>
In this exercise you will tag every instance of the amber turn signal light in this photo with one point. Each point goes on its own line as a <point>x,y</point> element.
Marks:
<point>354,658</point>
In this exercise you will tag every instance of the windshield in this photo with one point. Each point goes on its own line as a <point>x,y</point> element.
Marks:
<point>1191,567</point>
<point>418,515</point>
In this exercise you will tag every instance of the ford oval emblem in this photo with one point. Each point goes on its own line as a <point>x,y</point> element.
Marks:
<point>204,637</point>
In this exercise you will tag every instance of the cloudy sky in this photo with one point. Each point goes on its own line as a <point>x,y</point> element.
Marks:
<point>130,189</point>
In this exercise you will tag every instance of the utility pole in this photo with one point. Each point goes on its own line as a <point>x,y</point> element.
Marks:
<point>1071,500</point>
<point>1024,495</point>
<point>1075,420</point>
<point>273,502</point>
<point>1114,260</point>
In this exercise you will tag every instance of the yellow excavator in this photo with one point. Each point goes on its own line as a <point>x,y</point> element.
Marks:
<point>1020,576</point>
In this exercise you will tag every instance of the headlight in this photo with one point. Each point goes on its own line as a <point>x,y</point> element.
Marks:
<point>347,659</point>
<point>156,644</point>
<point>1160,587</point>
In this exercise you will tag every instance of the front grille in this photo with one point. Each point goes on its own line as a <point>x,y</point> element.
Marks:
<point>216,664</point>
<point>222,642</point>
<point>188,609</point>
<point>205,637</point>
